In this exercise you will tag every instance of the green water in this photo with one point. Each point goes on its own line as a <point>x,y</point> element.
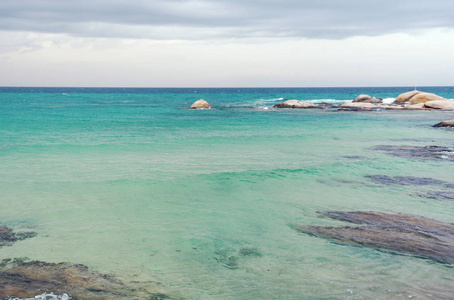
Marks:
<point>201,204</point>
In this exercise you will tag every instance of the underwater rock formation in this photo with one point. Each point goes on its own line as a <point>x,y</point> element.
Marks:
<point>427,152</point>
<point>27,279</point>
<point>404,180</point>
<point>8,237</point>
<point>403,234</point>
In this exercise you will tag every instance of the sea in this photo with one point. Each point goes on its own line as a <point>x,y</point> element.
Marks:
<point>203,204</point>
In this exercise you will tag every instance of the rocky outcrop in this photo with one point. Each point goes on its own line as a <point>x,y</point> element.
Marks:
<point>425,97</point>
<point>295,104</point>
<point>367,99</point>
<point>27,279</point>
<point>448,123</point>
<point>405,97</point>
<point>440,104</point>
<point>200,104</point>
<point>406,234</point>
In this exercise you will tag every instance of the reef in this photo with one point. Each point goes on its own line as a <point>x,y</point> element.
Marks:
<point>397,233</point>
<point>22,279</point>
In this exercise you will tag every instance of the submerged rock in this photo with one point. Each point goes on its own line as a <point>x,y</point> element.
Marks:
<point>27,279</point>
<point>404,180</point>
<point>200,104</point>
<point>427,152</point>
<point>449,123</point>
<point>405,97</point>
<point>8,237</point>
<point>295,104</point>
<point>403,234</point>
<point>425,97</point>
<point>438,195</point>
<point>440,104</point>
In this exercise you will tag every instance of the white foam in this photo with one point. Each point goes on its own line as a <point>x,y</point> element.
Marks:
<point>388,100</point>
<point>45,296</point>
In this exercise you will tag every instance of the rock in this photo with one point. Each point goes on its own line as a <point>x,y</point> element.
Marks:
<point>440,104</point>
<point>405,97</point>
<point>295,104</point>
<point>325,105</point>
<point>367,99</point>
<point>200,104</point>
<point>417,106</point>
<point>449,123</point>
<point>8,237</point>
<point>362,98</point>
<point>427,152</point>
<point>27,279</point>
<point>389,107</point>
<point>404,180</point>
<point>402,234</point>
<point>358,105</point>
<point>425,97</point>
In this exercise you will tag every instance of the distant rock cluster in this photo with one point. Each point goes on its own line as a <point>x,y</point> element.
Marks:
<point>412,100</point>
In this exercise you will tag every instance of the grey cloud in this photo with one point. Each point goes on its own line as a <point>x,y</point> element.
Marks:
<point>201,19</point>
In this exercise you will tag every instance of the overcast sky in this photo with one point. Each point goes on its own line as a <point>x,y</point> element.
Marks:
<point>226,43</point>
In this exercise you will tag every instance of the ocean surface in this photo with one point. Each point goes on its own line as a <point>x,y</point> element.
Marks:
<point>203,204</point>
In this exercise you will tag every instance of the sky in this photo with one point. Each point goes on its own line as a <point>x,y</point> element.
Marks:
<point>226,43</point>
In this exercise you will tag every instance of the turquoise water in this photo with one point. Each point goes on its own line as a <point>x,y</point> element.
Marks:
<point>201,204</point>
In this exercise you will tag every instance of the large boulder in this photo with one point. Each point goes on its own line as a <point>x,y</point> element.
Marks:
<point>449,123</point>
<point>367,99</point>
<point>405,97</point>
<point>295,104</point>
<point>200,104</point>
<point>425,97</point>
<point>440,104</point>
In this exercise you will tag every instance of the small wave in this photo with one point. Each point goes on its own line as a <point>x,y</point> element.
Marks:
<point>388,100</point>
<point>45,296</point>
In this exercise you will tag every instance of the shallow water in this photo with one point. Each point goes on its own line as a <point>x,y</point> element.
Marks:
<point>201,204</point>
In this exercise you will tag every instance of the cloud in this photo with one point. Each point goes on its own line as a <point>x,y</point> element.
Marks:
<point>208,19</point>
